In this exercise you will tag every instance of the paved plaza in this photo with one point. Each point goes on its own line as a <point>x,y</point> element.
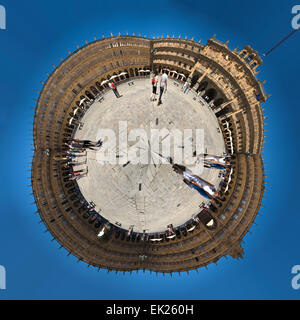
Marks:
<point>147,196</point>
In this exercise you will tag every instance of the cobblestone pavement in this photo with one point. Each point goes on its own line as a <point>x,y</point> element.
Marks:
<point>147,197</point>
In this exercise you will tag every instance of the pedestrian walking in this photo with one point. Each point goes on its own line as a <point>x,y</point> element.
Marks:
<point>154,83</point>
<point>114,89</point>
<point>187,87</point>
<point>163,86</point>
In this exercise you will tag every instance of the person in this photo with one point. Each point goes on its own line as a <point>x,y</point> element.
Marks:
<point>163,85</point>
<point>71,155</point>
<point>197,95</point>
<point>78,172</point>
<point>89,144</point>
<point>74,149</point>
<point>130,232</point>
<point>61,158</point>
<point>187,87</point>
<point>72,163</point>
<point>104,228</point>
<point>77,177</point>
<point>114,89</point>
<point>154,82</point>
<point>83,144</point>
<point>170,230</point>
<point>216,162</point>
<point>193,181</point>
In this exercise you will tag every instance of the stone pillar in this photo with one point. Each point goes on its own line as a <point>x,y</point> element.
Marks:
<point>203,76</point>
<point>233,113</point>
<point>223,105</point>
<point>193,69</point>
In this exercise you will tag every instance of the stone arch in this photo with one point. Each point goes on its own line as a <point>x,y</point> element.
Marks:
<point>117,79</point>
<point>127,75</point>
<point>194,80</point>
<point>202,86</point>
<point>89,95</point>
<point>208,220</point>
<point>210,95</point>
<point>218,102</point>
<point>98,85</point>
<point>94,90</point>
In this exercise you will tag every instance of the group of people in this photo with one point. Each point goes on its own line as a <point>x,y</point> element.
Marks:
<point>170,233</point>
<point>76,145</point>
<point>78,148</point>
<point>214,162</point>
<point>70,162</point>
<point>74,149</point>
<point>205,188</point>
<point>162,83</point>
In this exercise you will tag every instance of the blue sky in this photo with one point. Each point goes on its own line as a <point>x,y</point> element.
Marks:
<point>38,34</point>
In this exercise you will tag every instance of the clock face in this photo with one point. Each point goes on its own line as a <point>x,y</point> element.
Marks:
<point>140,189</point>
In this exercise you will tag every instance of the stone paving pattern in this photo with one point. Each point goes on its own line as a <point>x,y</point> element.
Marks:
<point>163,198</point>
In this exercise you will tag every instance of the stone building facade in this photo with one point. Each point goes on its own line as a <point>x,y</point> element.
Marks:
<point>227,77</point>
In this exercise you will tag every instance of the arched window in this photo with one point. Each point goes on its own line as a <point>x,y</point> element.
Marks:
<point>208,220</point>
<point>94,90</point>
<point>194,79</point>
<point>202,86</point>
<point>209,95</point>
<point>223,112</point>
<point>98,85</point>
<point>89,95</point>
<point>218,102</point>
<point>117,78</point>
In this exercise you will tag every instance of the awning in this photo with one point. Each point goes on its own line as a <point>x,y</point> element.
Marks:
<point>82,101</point>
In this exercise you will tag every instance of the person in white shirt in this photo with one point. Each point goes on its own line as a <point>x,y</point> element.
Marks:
<point>211,161</point>
<point>163,86</point>
<point>205,188</point>
<point>187,87</point>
